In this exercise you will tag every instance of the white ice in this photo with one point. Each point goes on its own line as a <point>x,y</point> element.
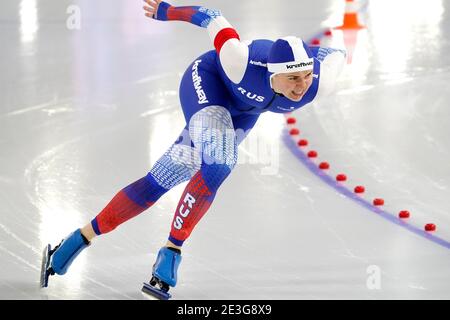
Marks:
<point>87,106</point>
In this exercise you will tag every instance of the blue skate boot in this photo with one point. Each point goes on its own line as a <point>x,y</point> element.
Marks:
<point>164,273</point>
<point>59,259</point>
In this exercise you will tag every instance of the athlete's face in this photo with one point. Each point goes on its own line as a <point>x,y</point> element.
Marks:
<point>292,85</point>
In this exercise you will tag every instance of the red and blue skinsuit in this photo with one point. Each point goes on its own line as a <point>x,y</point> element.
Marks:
<point>222,94</point>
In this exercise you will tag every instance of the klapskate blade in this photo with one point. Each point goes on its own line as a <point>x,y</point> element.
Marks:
<point>155,292</point>
<point>44,266</point>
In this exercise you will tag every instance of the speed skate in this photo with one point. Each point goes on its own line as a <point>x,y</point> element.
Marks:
<point>46,270</point>
<point>157,289</point>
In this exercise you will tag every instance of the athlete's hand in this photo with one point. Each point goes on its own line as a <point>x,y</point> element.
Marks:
<point>151,8</point>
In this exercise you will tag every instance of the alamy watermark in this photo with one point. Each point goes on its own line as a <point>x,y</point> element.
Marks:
<point>262,151</point>
<point>221,146</point>
<point>373,281</point>
<point>73,21</point>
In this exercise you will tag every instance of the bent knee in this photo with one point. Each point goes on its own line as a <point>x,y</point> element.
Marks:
<point>221,158</point>
<point>214,174</point>
<point>177,165</point>
<point>212,132</point>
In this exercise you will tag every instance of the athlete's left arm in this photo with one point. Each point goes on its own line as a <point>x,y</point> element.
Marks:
<point>332,62</point>
<point>233,54</point>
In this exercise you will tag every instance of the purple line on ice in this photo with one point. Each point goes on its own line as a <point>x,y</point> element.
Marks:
<point>348,193</point>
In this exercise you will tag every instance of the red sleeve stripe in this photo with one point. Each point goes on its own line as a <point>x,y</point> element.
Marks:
<point>180,13</point>
<point>223,36</point>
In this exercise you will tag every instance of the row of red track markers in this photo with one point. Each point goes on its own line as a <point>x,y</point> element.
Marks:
<point>341,177</point>
<point>302,143</point>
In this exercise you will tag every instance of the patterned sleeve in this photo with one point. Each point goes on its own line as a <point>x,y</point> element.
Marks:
<point>332,62</point>
<point>322,53</point>
<point>233,54</point>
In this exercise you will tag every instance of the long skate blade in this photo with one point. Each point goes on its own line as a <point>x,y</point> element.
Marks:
<point>155,292</point>
<point>44,266</point>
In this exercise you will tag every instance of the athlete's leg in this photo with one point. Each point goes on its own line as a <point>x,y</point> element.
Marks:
<point>213,132</point>
<point>205,104</point>
<point>178,164</point>
<point>217,135</point>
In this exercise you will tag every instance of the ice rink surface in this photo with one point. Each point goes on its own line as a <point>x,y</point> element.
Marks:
<point>86,111</point>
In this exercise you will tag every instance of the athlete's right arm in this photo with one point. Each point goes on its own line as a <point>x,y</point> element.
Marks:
<point>233,54</point>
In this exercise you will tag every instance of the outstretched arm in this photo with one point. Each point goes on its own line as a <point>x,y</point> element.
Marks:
<point>233,54</point>
<point>332,62</point>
